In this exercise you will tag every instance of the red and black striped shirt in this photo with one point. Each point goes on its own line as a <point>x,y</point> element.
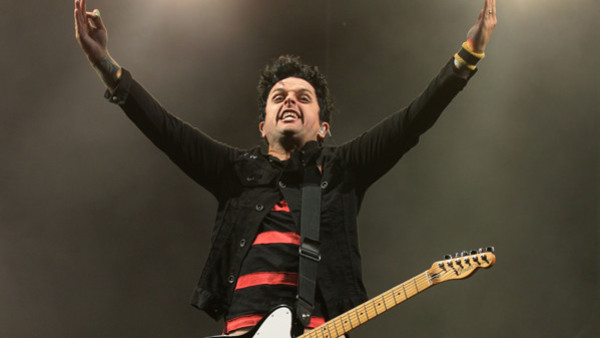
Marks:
<point>269,273</point>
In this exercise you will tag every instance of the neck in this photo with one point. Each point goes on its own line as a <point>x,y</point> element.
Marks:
<point>281,153</point>
<point>283,149</point>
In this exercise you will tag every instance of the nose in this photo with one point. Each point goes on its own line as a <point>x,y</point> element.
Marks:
<point>289,99</point>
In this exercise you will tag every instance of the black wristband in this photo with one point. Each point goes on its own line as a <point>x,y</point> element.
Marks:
<point>468,57</point>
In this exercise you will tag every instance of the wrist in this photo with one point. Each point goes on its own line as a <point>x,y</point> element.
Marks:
<point>469,45</point>
<point>109,70</point>
<point>466,57</point>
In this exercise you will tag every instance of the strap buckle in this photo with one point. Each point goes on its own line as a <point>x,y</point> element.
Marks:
<point>310,250</point>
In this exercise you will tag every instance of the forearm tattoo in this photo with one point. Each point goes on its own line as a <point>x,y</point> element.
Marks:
<point>109,71</point>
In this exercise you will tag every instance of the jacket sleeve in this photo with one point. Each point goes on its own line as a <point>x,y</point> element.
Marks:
<point>199,156</point>
<point>374,152</point>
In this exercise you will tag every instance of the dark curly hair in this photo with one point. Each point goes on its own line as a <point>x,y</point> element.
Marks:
<point>290,66</point>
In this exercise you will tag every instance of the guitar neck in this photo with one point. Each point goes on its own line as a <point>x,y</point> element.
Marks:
<point>371,309</point>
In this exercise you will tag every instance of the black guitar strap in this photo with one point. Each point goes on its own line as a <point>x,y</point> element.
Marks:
<point>310,255</point>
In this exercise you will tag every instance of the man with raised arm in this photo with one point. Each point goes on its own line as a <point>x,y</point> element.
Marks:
<point>253,264</point>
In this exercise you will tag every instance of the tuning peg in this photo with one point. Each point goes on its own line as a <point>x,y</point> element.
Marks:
<point>448,257</point>
<point>464,253</point>
<point>490,249</point>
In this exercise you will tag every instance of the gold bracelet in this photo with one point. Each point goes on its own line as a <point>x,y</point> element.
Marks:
<point>463,62</point>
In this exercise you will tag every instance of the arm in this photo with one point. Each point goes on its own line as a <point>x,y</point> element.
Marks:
<point>202,158</point>
<point>374,152</point>
<point>92,37</point>
<point>477,38</point>
<point>199,156</point>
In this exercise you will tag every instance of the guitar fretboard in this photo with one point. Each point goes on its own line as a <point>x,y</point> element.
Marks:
<point>371,309</point>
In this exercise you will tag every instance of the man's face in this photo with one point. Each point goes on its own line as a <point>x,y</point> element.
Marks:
<point>292,113</point>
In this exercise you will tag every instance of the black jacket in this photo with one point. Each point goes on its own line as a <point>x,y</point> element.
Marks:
<point>247,184</point>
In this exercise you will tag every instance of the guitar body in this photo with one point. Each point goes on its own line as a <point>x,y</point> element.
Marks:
<point>277,324</point>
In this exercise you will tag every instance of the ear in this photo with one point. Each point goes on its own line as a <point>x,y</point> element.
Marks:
<point>323,130</point>
<point>261,126</point>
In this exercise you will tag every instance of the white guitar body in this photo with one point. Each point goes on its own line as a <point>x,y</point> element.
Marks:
<point>277,324</point>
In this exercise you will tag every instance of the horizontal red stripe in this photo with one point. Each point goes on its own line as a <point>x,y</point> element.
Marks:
<point>276,237</point>
<point>267,278</point>
<point>242,322</point>
<point>281,206</point>
<point>316,321</point>
<point>248,321</point>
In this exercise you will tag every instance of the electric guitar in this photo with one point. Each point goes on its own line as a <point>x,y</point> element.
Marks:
<point>281,321</point>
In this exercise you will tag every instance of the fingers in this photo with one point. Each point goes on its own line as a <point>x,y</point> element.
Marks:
<point>95,19</point>
<point>489,7</point>
<point>480,33</point>
<point>85,21</point>
<point>489,15</point>
<point>81,16</point>
<point>80,5</point>
<point>80,21</point>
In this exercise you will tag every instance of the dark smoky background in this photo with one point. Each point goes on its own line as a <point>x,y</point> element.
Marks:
<point>100,235</point>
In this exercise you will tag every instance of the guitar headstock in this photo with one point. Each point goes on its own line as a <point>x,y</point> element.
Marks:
<point>461,265</point>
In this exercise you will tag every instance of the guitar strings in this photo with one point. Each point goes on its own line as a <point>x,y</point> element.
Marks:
<point>415,285</point>
<point>388,299</point>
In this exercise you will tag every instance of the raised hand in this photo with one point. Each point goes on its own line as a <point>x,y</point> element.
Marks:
<point>480,33</point>
<point>91,35</point>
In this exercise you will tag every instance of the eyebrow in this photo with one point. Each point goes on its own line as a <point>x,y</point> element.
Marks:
<point>301,90</point>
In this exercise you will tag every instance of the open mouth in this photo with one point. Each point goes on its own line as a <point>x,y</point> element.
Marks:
<point>289,115</point>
